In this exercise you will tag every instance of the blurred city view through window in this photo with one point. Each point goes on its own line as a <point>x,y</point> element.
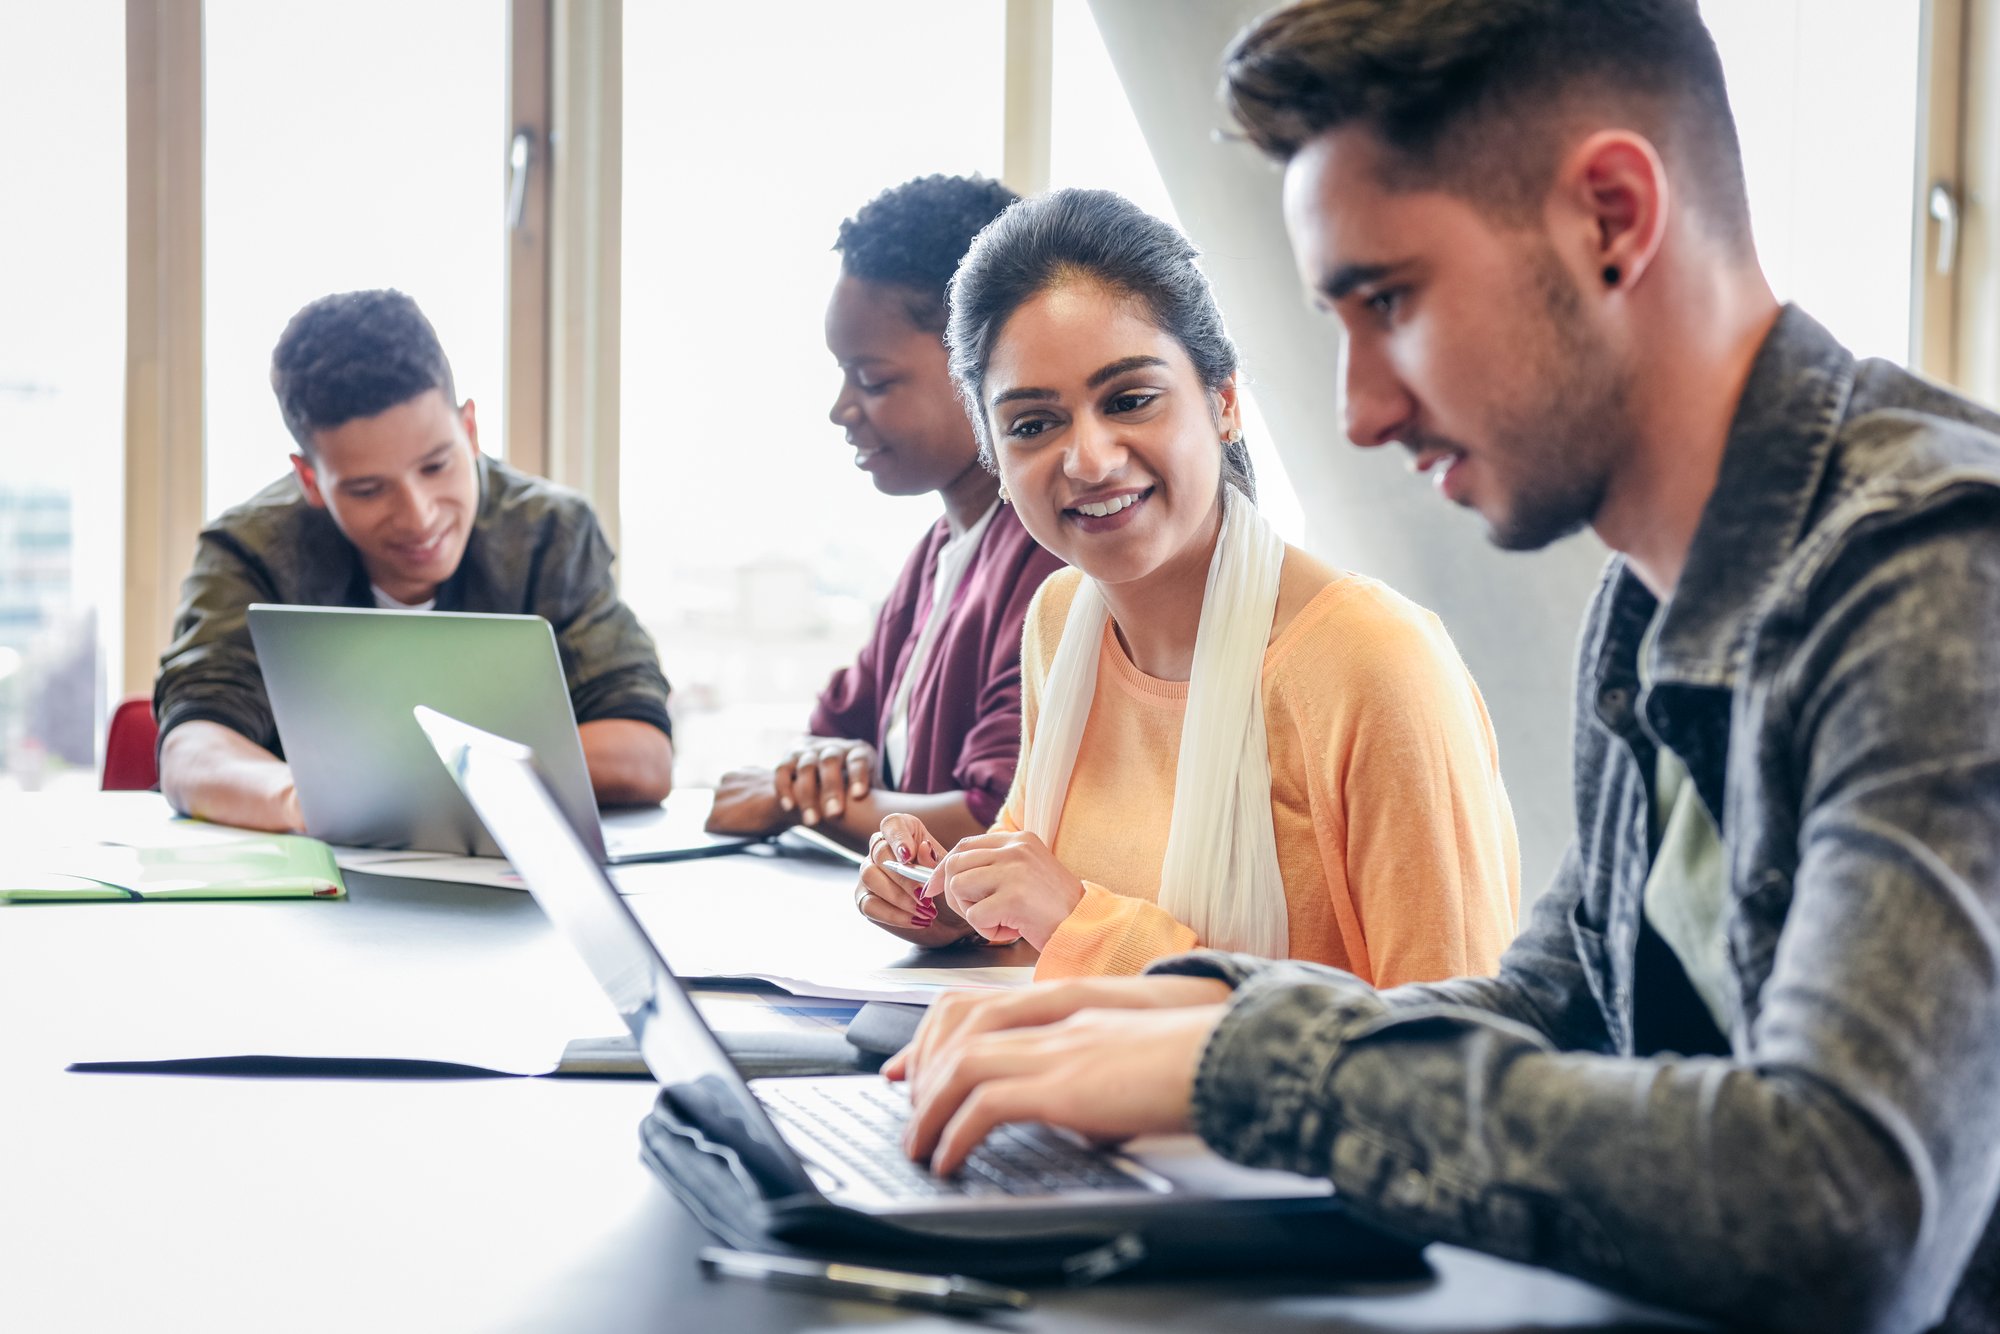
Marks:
<point>62,385</point>
<point>751,547</point>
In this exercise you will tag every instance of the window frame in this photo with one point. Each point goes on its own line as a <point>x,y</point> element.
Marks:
<point>164,395</point>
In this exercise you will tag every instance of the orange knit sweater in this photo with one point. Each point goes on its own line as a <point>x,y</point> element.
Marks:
<point>1394,835</point>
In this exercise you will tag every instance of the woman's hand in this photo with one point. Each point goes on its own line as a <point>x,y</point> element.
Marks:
<point>1008,886</point>
<point>896,904</point>
<point>821,774</point>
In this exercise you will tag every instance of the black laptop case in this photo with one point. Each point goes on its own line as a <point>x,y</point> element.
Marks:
<point>752,1206</point>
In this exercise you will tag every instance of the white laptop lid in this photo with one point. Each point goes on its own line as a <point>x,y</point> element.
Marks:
<point>499,778</point>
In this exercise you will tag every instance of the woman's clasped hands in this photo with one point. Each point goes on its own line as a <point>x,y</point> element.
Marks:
<point>1002,886</point>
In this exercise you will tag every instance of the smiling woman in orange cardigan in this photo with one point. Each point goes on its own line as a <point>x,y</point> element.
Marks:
<point>1394,835</point>
<point>1088,349</point>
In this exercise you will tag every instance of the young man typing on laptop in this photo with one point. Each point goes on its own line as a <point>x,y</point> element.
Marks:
<point>390,504</point>
<point>1744,1059</point>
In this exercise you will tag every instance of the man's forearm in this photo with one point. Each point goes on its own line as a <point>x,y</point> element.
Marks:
<point>1758,1194</point>
<point>215,773</point>
<point>1540,985</point>
<point>631,763</point>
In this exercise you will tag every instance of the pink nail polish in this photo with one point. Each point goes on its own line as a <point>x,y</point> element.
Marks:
<point>902,852</point>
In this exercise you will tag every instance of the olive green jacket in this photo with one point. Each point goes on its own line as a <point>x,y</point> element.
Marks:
<point>536,549</point>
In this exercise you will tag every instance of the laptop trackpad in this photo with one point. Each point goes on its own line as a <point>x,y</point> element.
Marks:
<point>1196,1169</point>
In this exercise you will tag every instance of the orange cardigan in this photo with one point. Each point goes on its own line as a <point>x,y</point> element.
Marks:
<point>1394,835</point>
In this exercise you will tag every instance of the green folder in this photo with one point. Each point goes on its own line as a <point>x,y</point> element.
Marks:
<point>254,866</point>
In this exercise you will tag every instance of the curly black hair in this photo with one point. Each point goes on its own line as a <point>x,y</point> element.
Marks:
<point>913,235</point>
<point>354,354</point>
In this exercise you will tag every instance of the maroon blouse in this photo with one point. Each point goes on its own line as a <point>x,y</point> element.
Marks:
<point>965,710</point>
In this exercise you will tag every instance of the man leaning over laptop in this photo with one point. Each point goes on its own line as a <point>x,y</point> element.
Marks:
<point>390,504</point>
<point>1744,1059</point>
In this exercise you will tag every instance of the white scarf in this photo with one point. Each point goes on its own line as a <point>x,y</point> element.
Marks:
<point>1220,873</point>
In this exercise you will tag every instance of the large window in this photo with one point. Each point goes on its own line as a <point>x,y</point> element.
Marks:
<point>62,356</point>
<point>1825,95</point>
<point>350,143</point>
<point>752,548</point>
<point>362,143</point>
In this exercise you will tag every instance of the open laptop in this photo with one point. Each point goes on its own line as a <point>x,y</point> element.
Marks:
<point>342,682</point>
<point>834,1137</point>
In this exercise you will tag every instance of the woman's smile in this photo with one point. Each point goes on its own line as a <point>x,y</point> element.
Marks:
<point>1109,511</point>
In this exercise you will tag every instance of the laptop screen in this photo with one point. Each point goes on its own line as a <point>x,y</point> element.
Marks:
<point>498,777</point>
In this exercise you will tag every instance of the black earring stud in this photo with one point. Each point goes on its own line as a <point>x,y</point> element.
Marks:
<point>1611,275</point>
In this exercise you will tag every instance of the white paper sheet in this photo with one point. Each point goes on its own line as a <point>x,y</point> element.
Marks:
<point>907,986</point>
<point>491,872</point>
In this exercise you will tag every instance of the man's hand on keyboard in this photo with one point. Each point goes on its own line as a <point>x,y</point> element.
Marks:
<point>1109,1074</point>
<point>959,1016</point>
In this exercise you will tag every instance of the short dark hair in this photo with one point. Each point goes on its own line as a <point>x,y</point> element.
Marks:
<point>1093,236</point>
<point>1467,95</point>
<point>912,236</point>
<point>354,354</point>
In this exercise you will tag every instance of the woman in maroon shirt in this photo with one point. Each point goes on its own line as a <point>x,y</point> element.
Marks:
<point>928,719</point>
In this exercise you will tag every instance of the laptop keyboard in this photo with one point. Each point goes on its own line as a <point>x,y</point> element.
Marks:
<point>859,1124</point>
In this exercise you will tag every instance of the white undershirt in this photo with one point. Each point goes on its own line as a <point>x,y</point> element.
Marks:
<point>953,559</point>
<point>387,603</point>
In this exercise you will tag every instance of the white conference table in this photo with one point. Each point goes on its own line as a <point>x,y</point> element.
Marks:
<point>219,1204</point>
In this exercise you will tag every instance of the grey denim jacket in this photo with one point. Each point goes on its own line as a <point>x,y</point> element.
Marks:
<point>535,549</point>
<point>1829,670</point>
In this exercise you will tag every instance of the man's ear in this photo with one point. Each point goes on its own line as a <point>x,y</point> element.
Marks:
<point>302,467</point>
<point>1615,184</point>
<point>470,422</point>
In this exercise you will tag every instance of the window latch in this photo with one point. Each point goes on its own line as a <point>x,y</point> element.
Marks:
<point>520,159</point>
<point>1944,212</point>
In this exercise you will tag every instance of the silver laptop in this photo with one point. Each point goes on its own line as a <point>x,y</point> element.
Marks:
<point>342,682</point>
<point>834,1137</point>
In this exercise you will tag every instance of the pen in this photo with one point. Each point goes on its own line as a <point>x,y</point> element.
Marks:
<point>938,1292</point>
<point>921,874</point>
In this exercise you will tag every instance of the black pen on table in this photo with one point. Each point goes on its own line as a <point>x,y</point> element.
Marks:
<point>937,1292</point>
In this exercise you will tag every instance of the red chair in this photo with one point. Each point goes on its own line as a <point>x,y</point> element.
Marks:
<point>131,747</point>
